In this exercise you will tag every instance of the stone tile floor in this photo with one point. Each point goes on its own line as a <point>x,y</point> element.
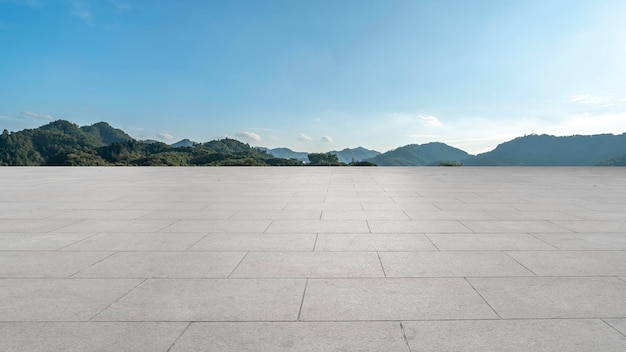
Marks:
<point>313,259</point>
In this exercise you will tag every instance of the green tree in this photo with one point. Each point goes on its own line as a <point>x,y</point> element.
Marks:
<point>323,159</point>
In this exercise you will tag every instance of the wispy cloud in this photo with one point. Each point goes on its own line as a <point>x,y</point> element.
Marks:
<point>327,139</point>
<point>409,119</point>
<point>249,137</point>
<point>80,9</point>
<point>588,99</point>
<point>304,138</point>
<point>430,121</point>
<point>165,135</point>
<point>37,116</point>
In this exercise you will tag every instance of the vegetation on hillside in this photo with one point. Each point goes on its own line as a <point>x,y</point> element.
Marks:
<point>64,143</point>
<point>547,150</point>
<point>420,155</point>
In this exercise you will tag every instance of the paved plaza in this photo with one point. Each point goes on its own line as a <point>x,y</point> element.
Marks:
<point>313,259</point>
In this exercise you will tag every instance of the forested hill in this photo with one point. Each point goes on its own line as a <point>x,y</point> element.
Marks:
<point>420,155</point>
<point>64,143</point>
<point>546,150</point>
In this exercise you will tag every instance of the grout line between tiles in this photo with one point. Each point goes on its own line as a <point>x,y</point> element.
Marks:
<point>515,260</point>
<point>431,242</point>
<point>237,266</point>
<point>99,261</point>
<point>179,336</point>
<point>483,298</point>
<point>117,300</point>
<point>306,284</point>
<point>381,264</point>
<point>406,340</point>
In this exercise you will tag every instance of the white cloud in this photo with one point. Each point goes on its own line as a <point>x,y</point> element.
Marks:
<point>165,135</point>
<point>80,9</point>
<point>327,139</point>
<point>249,136</point>
<point>588,99</point>
<point>430,121</point>
<point>587,123</point>
<point>304,138</point>
<point>37,116</point>
<point>408,120</point>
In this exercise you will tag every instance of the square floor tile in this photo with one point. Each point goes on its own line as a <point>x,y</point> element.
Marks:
<point>165,265</point>
<point>513,335</point>
<point>554,297</point>
<point>88,337</point>
<point>309,264</point>
<point>58,299</point>
<point>392,299</point>
<point>450,264</point>
<point>293,337</point>
<point>209,300</point>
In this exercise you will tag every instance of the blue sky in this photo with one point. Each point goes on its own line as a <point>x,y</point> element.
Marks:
<point>317,75</point>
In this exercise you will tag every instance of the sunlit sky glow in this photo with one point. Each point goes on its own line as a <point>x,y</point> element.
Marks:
<point>317,75</point>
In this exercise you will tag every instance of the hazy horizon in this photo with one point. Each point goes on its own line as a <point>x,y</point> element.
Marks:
<point>317,76</point>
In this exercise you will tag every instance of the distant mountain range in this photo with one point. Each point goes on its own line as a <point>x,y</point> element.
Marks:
<point>546,150</point>
<point>345,156</point>
<point>420,155</point>
<point>64,143</point>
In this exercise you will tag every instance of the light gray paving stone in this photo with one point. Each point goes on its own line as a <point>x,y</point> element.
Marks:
<point>256,242</point>
<point>137,242</point>
<point>100,214</point>
<point>554,297</point>
<point>538,204</point>
<point>33,225</point>
<point>179,214</point>
<point>28,214</point>
<point>278,214</point>
<point>58,299</point>
<point>598,215</point>
<point>448,215</point>
<point>450,264</point>
<point>116,226</point>
<point>209,300</point>
<point>392,299</point>
<point>487,241</point>
<point>373,242</point>
<point>218,226</point>
<point>318,226</point>
<point>585,241</point>
<point>89,336</point>
<point>417,226</point>
<point>375,206</point>
<point>513,335</point>
<point>46,264</point>
<point>513,226</point>
<point>593,226</point>
<point>293,337</point>
<point>171,206</point>
<point>618,324</point>
<point>309,264</point>
<point>165,265</point>
<point>39,241</point>
<point>573,263</point>
<point>449,206</point>
<point>530,215</point>
<point>364,215</point>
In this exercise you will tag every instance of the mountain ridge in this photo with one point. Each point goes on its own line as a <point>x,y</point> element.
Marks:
<point>62,142</point>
